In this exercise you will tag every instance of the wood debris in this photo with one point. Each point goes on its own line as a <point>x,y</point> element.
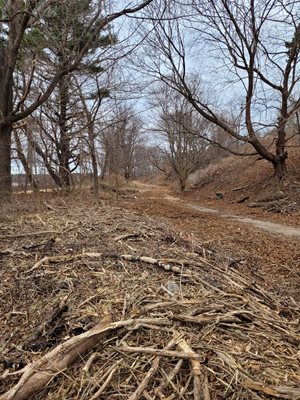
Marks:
<point>110,331</point>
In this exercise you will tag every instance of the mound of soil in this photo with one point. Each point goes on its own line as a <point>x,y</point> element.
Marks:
<point>238,177</point>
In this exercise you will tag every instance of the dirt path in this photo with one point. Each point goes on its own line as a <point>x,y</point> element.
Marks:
<point>159,192</point>
<point>272,250</point>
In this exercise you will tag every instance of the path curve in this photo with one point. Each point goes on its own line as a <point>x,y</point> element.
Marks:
<point>161,192</point>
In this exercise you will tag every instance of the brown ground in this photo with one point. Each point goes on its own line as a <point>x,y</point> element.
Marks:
<point>276,257</point>
<point>214,291</point>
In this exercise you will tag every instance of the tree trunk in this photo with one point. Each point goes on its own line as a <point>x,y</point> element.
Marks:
<point>95,176</point>
<point>64,153</point>
<point>6,85</point>
<point>104,168</point>
<point>281,153</point>
<point>54,175</point>
<point>182,183</point>
<point>64,173</point>
<point>5,160</point>
<point>280,167</point>
<point>26,165</point>
<point>93,156</point>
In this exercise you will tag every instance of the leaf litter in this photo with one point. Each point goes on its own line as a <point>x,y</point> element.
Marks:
<point>102,303</point>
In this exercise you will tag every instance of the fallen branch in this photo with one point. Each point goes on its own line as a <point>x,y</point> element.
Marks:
<point>243,199</point>
<point>59,259</point>
<point>39,373</point>
<point>169,378</point>
<point>206,320</point>
<point>201,391</point>
<point>47,329</point>
<point>90,361</point>
<point>126,236</point>
<point>107,381</point>
<point>239,188</point>
<point>20,235</point>
<point>157,352</point>
<point>280,392</point>
<point>143,385</point>
<point>166,264</point>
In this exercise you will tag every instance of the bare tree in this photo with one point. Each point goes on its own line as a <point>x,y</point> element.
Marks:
<point>143,165</point>
<point>256,44</point>
<point>91,103</point>
<point>120,140</point>
<point>182,131</point>
<point>25,159</point>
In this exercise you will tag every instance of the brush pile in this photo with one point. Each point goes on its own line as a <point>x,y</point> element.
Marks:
<point>100,303</point>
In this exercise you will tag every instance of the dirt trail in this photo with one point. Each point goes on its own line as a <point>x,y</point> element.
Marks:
<point>271,250</point>
<point>160,192</point>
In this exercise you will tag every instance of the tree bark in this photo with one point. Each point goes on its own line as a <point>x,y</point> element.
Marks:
<point>104,167</point>
<point>280,167</point>
<point>6,83</point>
<point>93,155</point>
<point>64,153</point>
<point>281,153</point>
<point>279,160</point>
<point>95,175</point>
<point>182,183</point>
<point>25,164</point>
<point>5,159</point>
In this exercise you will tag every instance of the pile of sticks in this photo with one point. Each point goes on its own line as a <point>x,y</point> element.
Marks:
<point>99,322</point>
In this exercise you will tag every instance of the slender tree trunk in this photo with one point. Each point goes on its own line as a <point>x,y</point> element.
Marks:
<point>64,145</point>
<point>5,160</point>
<point>93,157</point>
<point>26,165</point>
<point>104,168</point>
<point>95,176</point>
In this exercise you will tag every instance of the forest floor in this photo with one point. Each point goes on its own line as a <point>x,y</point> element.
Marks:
<point>266,242</point>
<point>144,295</point>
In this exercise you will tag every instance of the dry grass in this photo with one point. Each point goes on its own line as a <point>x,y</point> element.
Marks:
<point>200,325</point>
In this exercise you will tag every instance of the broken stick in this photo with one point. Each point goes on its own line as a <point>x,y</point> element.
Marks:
<point>201,391</point>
